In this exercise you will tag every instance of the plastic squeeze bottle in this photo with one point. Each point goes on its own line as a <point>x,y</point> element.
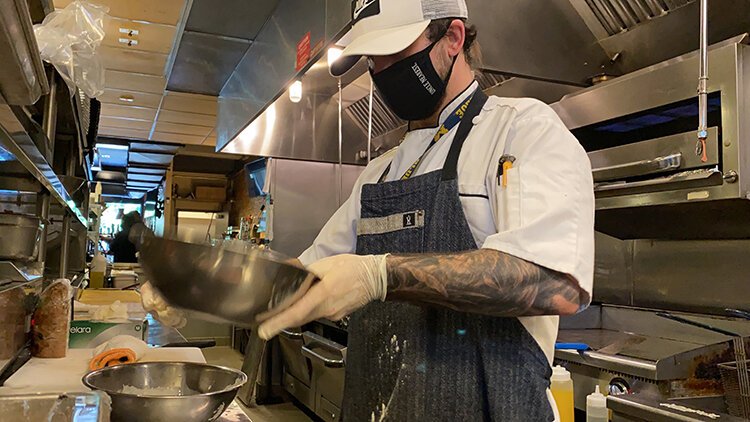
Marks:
<point>98,269</point>
<point>596,407</point>
<point>562,390</point>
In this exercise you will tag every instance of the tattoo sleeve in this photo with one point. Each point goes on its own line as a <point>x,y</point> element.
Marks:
<point>484,281</point>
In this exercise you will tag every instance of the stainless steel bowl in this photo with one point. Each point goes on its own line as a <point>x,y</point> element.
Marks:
<point>206,390</point>
<point>222,282</point>
<point>19,235</point>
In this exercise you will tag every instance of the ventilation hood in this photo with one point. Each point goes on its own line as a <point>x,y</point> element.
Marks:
<point>541,49</point>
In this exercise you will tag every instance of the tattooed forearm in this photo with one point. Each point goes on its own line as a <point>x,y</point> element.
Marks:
<point>485,282</point>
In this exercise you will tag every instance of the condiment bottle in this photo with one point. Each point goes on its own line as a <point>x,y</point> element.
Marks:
<point>562,390</point>
<point>98,269</point>
<point>596,407</point>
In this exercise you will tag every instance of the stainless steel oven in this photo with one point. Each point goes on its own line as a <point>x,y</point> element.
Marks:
<point>640,131</point>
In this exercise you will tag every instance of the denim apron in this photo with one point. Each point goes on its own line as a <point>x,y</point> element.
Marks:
<point>408,362</point>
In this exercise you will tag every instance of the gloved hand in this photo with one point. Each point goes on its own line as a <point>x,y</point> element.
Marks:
<point>347,283</point>
<point>155,304</point>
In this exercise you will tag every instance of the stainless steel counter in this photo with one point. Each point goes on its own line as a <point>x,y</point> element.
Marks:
<point>640,408</point>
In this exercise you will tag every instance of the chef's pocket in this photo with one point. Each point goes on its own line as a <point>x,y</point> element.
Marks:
<point>400,232</point>
<point>509,199</point>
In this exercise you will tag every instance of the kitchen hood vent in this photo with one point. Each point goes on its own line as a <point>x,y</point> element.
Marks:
<point>385,121</point>
<point>618,16</point>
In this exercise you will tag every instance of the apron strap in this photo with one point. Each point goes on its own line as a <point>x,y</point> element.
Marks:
<point>450,168</point>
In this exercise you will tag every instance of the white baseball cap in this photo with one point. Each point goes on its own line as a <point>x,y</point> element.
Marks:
<point>385,27</point>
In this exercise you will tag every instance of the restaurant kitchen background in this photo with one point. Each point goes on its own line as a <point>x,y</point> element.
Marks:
<point>223,122</point>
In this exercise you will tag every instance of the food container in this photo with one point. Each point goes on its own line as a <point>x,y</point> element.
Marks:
<point>12,321</point>
<point>230,282</point>
<point>52,321</point>
<point>19,236</point>
<point>167,391</point>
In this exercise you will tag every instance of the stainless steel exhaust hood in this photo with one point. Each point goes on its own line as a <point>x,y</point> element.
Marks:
<point>530,48</point>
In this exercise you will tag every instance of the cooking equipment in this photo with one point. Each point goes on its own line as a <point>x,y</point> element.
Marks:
<point>19,235</point>
<point>734,375</point>
<point>232,285</point>
<point>639,132</point>
<point>667,362</point>
<point>207,390</point>
<point>327,383</point>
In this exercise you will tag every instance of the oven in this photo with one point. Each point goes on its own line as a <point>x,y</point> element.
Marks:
<point>640,132</point>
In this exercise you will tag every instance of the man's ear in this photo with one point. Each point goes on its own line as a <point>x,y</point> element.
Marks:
<point>455,37</point>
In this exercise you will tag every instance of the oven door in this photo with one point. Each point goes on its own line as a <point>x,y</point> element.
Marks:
<point>661,164</point>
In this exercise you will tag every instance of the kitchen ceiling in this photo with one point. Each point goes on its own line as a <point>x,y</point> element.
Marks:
<point>138,110</point>
<point>139,41</point>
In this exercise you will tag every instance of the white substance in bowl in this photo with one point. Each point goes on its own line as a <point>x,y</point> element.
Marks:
<point>157,391</point>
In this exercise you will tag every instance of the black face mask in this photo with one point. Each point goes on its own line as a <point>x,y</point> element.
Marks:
<point>412,87</point>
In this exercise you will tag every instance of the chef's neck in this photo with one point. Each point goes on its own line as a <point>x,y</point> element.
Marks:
<point>461,78</point>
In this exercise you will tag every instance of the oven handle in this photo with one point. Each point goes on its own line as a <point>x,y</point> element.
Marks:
<point>330,363</point>
<point>638,168</point>
<point>688,176</point>
<point>313,340</point>
<point>291,335</point>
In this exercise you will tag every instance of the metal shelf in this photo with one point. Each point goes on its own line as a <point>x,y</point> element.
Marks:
<point>15,139</point>
<point>18,277</point>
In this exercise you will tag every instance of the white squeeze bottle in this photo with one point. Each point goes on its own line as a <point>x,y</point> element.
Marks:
<point>596,407</point>
<point>98,270</point>
<point>562,390</point>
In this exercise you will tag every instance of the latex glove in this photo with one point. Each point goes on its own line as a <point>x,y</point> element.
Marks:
<point>347,283</point>
<point>154,303</point>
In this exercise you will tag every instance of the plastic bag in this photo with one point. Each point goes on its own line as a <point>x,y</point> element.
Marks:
<point>69,38</point>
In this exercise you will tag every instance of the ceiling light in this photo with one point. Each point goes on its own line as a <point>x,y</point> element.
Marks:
<point>113,146</point>
<point>127,98</point>
<point>295,92</point>
<point>334,53</point>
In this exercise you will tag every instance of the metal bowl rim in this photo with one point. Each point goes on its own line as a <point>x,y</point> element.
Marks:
<point>237,384</point>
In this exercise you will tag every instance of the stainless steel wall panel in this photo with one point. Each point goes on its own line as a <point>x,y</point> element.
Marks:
<point>613,278</point>
<point>699,276</point>
<point>304,195</point>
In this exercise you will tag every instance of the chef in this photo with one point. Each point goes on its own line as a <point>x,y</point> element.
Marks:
<point>457,251</point>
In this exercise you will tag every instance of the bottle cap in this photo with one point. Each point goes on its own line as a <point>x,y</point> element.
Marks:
<point>596,399</point>
<point>559,374</point>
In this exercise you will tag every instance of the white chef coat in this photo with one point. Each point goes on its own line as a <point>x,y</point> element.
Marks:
<point>545,215</point>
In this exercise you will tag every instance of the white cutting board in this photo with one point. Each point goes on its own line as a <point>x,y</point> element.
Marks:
<point>61,375</point>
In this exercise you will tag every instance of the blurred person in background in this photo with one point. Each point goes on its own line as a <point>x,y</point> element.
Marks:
<point>121,248</point>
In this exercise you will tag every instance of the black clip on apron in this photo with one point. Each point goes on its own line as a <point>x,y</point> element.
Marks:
<point>419,363</point>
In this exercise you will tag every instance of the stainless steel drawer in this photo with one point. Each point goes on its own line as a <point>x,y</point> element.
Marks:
<point>328,411</point>
<point>299,390</point>
<point>294,362</point>
<point>327,359</point>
